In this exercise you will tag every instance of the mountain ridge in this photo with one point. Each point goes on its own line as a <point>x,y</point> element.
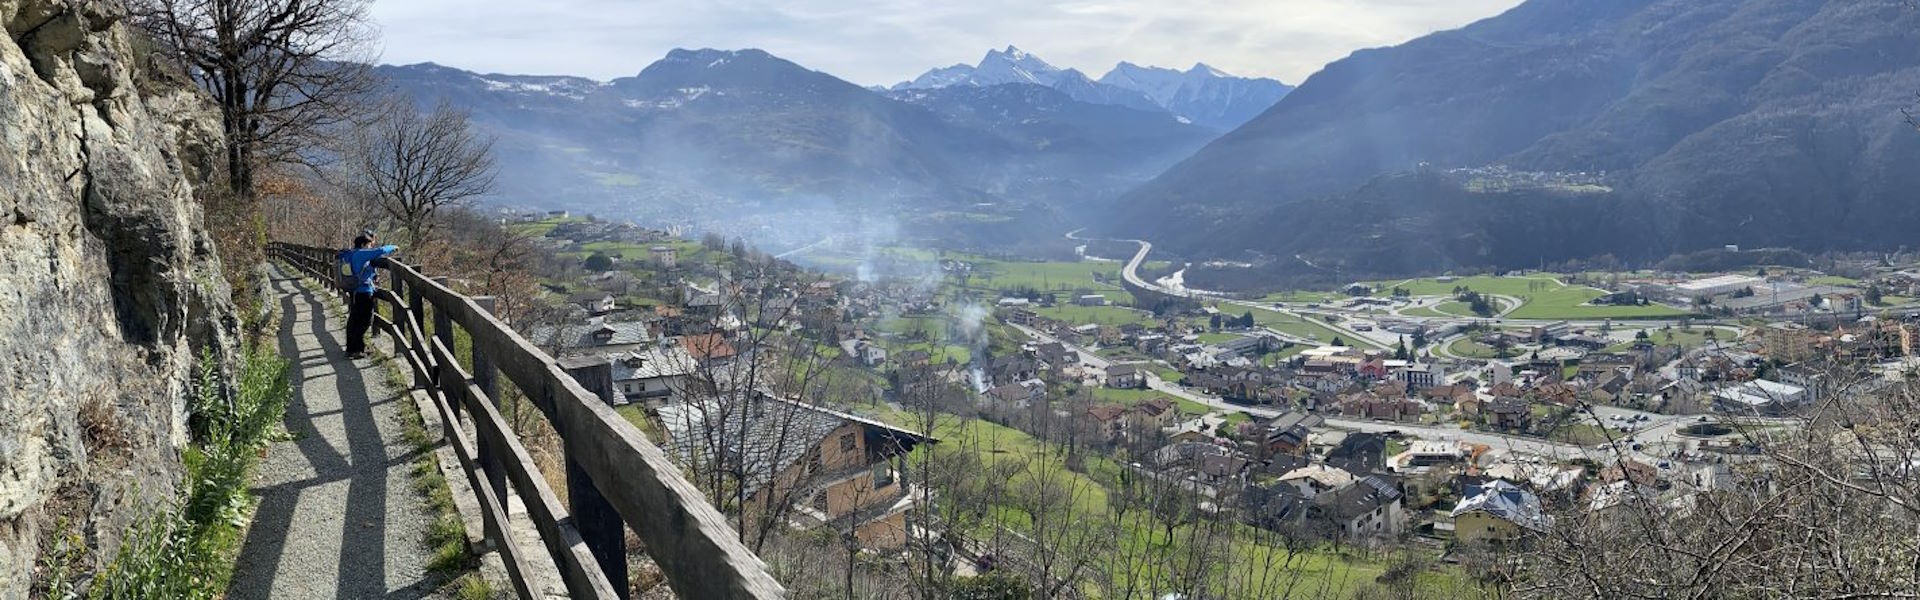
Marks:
<point>1202,95</point>
<point>1773,122</point>
<point>747,139</point>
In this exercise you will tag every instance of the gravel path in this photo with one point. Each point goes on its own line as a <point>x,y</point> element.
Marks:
<point>337,518</point>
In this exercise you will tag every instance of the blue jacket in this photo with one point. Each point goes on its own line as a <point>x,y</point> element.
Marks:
<point>358,261</point>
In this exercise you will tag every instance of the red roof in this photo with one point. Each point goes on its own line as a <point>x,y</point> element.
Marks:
<point>707,347</point>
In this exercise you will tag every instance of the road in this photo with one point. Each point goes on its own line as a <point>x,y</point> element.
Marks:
<point>1132,275</point>
<point>1656,434</point>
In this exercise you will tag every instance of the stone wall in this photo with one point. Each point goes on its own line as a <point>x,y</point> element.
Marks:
<point>109,286</point>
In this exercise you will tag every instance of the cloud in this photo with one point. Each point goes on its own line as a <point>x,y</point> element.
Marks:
<point>884,41</point>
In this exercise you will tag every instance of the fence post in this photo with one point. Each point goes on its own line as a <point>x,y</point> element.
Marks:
<point>416,305</point>
<point>398,309</point>
<point>487,379</point>
<point>443,330</point>
<point>600,525</point>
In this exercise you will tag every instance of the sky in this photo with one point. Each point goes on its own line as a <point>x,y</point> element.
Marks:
<point>886,41</point>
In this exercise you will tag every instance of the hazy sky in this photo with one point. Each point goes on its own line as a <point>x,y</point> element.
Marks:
<point>885,41</point>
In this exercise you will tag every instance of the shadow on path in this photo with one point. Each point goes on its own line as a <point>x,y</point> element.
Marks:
<point>330,524</point>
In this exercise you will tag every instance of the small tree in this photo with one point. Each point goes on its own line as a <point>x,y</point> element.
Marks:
<point>412,164</point>
<point>599,262</point>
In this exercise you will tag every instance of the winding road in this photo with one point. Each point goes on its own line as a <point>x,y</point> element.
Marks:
<point>1657,433</point>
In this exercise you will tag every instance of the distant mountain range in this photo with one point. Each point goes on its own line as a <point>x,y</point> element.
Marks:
<point>1202,95</point>
<point>1568,129</point>
<point>752,142</point>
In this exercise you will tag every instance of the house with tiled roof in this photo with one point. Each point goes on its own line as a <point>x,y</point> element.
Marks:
<point>828,468</point>
<point>592,336</point>
<point>1498,512</point>
<point>708,348</point>
<point>1369,508</point>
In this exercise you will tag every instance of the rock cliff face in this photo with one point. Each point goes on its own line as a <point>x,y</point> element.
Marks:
<point>110,288</point>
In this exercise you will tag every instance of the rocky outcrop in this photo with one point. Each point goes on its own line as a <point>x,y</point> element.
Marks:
<point>110,289</point>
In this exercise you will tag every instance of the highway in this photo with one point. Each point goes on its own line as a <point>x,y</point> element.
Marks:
<point>1520,444</point>
<point>1657,434</point>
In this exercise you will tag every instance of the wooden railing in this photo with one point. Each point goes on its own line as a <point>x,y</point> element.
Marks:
<point>615,477</point>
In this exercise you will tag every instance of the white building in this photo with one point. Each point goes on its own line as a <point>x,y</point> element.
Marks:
<point>1420,376</point>
<point>1760,396</point>
<point>1715,286</point>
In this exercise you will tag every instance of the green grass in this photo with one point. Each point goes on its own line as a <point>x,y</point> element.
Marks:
<point>1485,284</point>
<point>1455,308</point>
<point>1834,280</point>
<point>185,547</point>
<point>1167,373</point>
<point>931,326</point>
<point>1302,297</point>
<point>1219,338</point>
<point>1060,277</point>
<point>1310,329</point>
<point>1191,408</point>
<point>1693,338</point>
<point>1099,315</point>
<point>1127,397</point>
<point>1544,297</point>
<point>992,445</point>
<point>936,353</point>
<point>1424,311</point>
<point>1466,347</point>
<point>1570,303</point>
<point>542,227</point>
<point>1584,434</point>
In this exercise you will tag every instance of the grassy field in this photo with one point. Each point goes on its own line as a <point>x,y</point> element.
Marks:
<point>1833,280</point>
<point>1570,303</point>
<point>1456,309</point>
<point>1544,297</point>
<point>1693,338</point>
<point>1485,284</point>
<point>1166,373</point>
<point>1100,315</point>
<point>1451,308</point>
<point>932,327</point>
<point>1309,329</point>
<point>543,226</point>
<point>1218,338</point>
<point>1468,348</point>
<point>1054,276</point>
<point>1302,297</point>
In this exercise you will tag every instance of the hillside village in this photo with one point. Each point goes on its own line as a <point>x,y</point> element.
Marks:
<point>1384,412</point>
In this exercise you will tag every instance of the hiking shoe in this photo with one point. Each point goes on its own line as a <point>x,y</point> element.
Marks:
<point>356,355</point>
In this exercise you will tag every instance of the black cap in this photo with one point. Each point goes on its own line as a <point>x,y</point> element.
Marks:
<point>362,241</point>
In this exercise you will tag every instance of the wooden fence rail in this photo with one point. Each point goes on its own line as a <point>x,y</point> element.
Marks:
<point>615,477</point>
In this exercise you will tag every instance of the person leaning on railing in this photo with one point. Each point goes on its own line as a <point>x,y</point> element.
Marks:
<point>359,262</point>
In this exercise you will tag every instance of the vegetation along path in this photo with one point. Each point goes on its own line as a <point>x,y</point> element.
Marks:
<point>337,517</point>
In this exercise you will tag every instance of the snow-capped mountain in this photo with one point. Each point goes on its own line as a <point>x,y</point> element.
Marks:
<point>1203,94</point>
<point>1013,65</point>
<point>742,136</point>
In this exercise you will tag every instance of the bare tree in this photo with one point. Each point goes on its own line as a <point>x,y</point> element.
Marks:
<point>413,164</point>
<point>281,71</point>
<point>1825,506</point>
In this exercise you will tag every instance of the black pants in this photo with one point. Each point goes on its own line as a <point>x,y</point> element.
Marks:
<point>359,319</point>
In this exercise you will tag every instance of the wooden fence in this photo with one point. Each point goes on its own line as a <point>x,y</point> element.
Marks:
<point>615,477</point>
